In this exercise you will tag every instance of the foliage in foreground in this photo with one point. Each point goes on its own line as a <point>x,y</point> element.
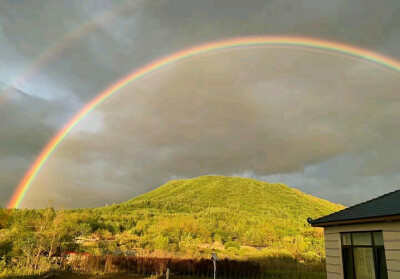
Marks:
<point>192,217</point>
<point>72,275</point>
<point>294,275</point>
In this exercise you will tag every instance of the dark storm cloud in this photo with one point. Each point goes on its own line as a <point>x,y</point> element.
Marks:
<point>133,143</point>
<point>26,124</point>
<point>143,31</point>
<point>264,111</point>
<point>70,41</point>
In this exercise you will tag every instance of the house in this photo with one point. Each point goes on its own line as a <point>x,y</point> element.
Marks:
<point>72,256</point>
<point>363,241</point>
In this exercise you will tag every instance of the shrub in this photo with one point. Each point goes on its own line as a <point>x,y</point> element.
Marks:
<point>232,244</point>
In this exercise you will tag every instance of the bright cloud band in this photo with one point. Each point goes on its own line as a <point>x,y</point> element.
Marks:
<point>311,43</point>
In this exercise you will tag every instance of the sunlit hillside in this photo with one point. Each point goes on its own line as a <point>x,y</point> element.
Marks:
<point>229,212</point>
<point>236,194</point>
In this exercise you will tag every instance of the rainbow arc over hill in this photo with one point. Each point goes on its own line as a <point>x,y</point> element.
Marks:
<point>226,44</point>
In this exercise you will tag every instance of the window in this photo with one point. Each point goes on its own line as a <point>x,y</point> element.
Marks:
<point>363,255</point>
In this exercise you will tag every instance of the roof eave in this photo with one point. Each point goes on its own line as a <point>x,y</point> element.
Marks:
<point>357,221</point>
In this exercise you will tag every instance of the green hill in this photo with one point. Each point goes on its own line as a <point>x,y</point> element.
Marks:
<point>249,196</point>
<point>186,214</point>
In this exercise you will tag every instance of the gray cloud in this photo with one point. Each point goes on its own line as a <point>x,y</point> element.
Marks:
<point>26,124</point>
<point>23,127</point>
<point>260,110</point>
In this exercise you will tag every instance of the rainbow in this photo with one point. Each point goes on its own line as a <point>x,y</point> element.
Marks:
<point>284,41</point>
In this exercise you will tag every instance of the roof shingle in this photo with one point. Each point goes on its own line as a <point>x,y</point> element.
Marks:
<point>386,205</point>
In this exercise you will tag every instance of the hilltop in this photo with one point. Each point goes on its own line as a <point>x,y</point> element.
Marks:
<point>244,195</point>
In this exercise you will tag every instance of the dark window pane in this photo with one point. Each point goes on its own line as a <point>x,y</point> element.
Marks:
<point>364,263</point>
<point>348,267</point>
<point>378,238</point>
<point>363,238</point>
<point>346,239</point>
<point>382,269</point>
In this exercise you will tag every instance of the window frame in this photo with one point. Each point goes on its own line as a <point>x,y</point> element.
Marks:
<point>352,246</point>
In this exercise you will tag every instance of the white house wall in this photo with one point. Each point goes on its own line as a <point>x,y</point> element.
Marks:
<point>391,238</point>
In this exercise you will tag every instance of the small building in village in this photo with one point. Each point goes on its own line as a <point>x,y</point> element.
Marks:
<point>74,256</point>
<point>363,241</point>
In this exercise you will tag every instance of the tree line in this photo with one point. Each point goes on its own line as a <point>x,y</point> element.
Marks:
<point>31,240</point>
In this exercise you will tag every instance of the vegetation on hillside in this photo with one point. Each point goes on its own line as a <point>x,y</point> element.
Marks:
<point>236,217</point>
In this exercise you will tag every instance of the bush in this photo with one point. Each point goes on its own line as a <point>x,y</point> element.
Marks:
<point>311,257</point>
<point>232,244</point>
<point>3,267</point>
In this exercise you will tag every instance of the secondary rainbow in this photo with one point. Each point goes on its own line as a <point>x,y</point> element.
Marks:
<point>312,43</point>
<point>64,42</point>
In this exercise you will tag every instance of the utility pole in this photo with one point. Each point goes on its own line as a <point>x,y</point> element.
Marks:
<point>214,258</point>
<point>167,275</point>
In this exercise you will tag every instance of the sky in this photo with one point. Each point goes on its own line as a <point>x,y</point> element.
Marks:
<point>319,122</point>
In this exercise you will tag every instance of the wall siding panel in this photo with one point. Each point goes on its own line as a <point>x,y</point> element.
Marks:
<point>391,237</point>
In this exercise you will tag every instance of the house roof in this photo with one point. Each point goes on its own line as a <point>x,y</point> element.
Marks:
<point>76,253</point>
<point>382,208</point>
